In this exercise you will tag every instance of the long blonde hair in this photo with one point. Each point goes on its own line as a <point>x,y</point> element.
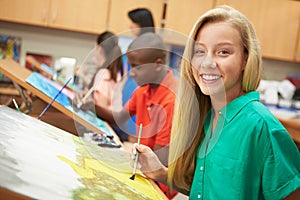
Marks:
<point>192,105</point>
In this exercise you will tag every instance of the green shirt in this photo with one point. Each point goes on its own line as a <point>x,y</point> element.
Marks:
<point>249,155</point>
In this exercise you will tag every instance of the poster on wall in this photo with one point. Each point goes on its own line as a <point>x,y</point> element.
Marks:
<point>10,47</point>
<point>32,59</point>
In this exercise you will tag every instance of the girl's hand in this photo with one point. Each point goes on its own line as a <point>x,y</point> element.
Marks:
<point>148,163</point>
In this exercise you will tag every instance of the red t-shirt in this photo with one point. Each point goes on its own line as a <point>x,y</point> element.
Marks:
<point>154,109</point>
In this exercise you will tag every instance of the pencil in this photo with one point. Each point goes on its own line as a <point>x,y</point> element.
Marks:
<point>48,106</point>
<point>16,105</point>
<point>137,153</point>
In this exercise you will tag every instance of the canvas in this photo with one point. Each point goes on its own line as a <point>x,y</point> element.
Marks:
<point>44,162</point>
<point>51,88</point>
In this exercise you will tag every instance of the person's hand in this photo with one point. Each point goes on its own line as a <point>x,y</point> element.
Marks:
<point>79,104</point>
<point>88,105</point>
<point>148,163</point>
<point>76,101</point>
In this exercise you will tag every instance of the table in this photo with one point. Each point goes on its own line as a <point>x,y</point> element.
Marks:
<point>290,119</point>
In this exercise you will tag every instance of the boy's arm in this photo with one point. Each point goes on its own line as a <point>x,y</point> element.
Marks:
<point>112,117</point>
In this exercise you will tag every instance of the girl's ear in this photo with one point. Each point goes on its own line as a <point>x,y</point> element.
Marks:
<point>245,61</point>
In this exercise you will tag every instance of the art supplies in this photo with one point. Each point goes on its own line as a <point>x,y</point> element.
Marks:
<point>101,140</point>
<point>16,105</point>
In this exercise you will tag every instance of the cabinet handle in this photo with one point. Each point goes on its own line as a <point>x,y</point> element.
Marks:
<point>297,44</point>
<point>54,16</point>
<point>44,15</point>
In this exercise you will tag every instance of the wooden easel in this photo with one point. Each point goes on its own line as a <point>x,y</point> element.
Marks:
<point>57,115</point>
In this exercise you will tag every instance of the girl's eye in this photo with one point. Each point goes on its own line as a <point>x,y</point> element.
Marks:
<point>199,52</point>
<point>223,52</point>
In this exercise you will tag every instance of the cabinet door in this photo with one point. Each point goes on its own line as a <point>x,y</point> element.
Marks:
<point>85,16</point>
<point>251,9</point>
<point>298,43</point>
<point>119,21</point>
<point>276,24</point>
<point>29,11</point>
<point>279,29</point>
<point>181,16</point>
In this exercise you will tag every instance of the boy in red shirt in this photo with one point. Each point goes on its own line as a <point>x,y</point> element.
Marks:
<point>153,101</point>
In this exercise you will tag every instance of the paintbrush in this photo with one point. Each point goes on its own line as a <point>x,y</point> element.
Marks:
<point>85,97</point>
<point>137,154</point>
<point>16,105</point>
<point>48,106</point>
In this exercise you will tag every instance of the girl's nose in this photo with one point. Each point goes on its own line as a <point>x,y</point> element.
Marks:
<point>203,62</point>
<point>208,62</point>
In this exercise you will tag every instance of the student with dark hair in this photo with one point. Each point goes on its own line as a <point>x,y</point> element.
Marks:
<point>110,72</point>
<point>108,61</point>
<point>106,46</point>
<point>141,21</point>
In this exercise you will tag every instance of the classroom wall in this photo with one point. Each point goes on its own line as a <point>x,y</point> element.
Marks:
<point>278,70</point>
<point>59,43</point>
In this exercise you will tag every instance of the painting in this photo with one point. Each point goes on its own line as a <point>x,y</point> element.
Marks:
<point>10,47</point>
<point>43,162</point>
<point>46,60</point>
<point>51,88</point>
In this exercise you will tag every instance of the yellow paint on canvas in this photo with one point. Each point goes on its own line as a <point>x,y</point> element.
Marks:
<point>89,167</point>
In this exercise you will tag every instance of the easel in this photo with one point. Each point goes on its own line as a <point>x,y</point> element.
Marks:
<point>19,74</point>
<point>51,75</point>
